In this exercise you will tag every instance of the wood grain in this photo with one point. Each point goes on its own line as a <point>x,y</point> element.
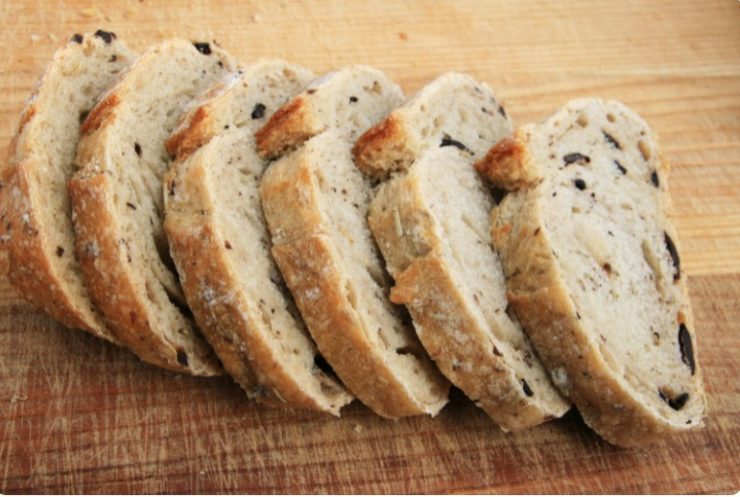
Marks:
<point>78,415</point>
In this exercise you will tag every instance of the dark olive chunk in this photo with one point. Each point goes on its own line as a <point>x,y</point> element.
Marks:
<point>675,403</point>
<point>106,36</point>
<point>687,348</point>
<point>527,389</point>
<point>655,179</point>
<point>182,357</point>
<point>580,184</point>
<point>76,38</point>
<point>612,141</point>
<point>621,168</point>
<point>576,157</point>
<point>137,149</point>
<point>674,256</point>
<point>447,141</point>
<point>352,99</point>
<point>202,47</point>
<point>259,111</point>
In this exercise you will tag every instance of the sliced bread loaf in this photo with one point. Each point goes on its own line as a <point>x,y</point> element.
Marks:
<point>38,219</point>
<point>431,224</point>
<point>315,202</point>
<point>593,270</point>
<point>454,110</point>
<point>117,204</point>
<point>220,244</point>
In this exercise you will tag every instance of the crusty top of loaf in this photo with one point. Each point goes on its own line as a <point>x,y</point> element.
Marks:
<point>454,110</point>
<point>348,101</point>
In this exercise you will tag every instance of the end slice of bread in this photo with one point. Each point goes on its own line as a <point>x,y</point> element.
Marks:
<point>38,221</point>
<point>117,204</point>
<point>454,110</point>
<point>315,202</point>
<point>432,226</point>
<point>220,244</point>
<point>593,269</point>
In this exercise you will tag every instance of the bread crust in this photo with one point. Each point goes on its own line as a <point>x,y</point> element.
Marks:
<point>307,261</point>
<point>288,126</point>
<point>109,279</point>
<point>373,148</point>
<point>508,166</point>
<point>548,313</point>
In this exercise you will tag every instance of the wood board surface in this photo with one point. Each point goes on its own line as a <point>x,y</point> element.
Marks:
<point>78,415</point>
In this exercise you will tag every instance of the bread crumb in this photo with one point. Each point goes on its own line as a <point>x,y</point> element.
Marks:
<point>53,37</point>
<point>130,12</point>
<point>90,12</point>
<point>358,429</point>
<point>35,38</point>
<point>18,398</point>
<point>256,17</point>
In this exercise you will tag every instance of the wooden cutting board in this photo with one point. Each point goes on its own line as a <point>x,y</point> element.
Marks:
<point>78,415</point>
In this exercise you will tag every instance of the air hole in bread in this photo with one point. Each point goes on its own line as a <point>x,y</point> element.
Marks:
<point>582,121</point>
<point>653,262</point>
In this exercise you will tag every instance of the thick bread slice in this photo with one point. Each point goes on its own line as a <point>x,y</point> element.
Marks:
<point>432,226</point>
<point>453,110</point>
<point>117,204</point>
<point>315,202</point>
<point>38,221</point>
<point>592,266</point>
<point>220,244</point>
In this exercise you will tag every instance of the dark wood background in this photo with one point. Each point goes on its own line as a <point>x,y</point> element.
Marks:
<point>78,415</point>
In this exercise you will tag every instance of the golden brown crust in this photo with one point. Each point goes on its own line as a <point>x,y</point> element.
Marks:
<point>382,149</point>
<point>547,312</point>
<point>106,271</point>
<point>288,127</point>
<point>188,139</point>
<point>428,289</point>
<point>306,259</point>
<point>306,266</point>
<point>100,113</point>
<point>507,165</point>
<point>30,271</point>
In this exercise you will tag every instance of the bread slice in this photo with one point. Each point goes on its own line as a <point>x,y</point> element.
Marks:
<point>117,204</point>
<point>220,244</point>
<point>453,110</point>
<point>593,269</point>
<point>38,221</point>
<point>315,202</point>
<point>431,225</point>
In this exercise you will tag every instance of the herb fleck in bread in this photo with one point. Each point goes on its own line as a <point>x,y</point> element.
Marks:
<point>454,110</point>
<point>220,244</point>
<point>431,224</point>
<point>38,223</point>
<point>315,202</point>
<point>593,269</point>
<point>117,204</point>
